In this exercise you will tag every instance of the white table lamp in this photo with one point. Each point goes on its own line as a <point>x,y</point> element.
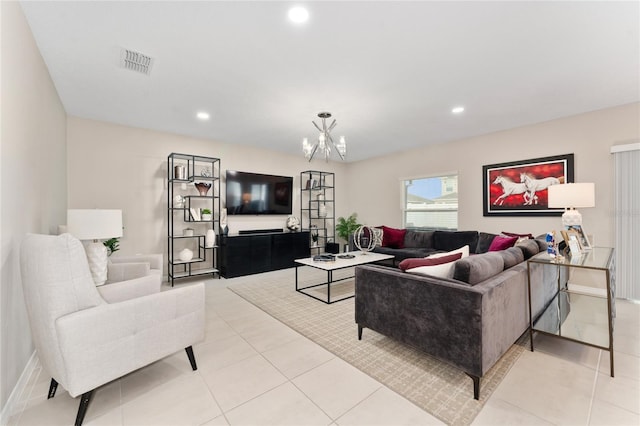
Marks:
<point>95,225</point>
<point>570,196</point>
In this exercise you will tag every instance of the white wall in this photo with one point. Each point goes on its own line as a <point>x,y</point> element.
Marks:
<point>375,184</point>
<point>32,177</point>
<point>113,166</point>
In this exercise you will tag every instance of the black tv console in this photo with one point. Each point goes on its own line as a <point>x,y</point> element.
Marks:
<point>253,253</point>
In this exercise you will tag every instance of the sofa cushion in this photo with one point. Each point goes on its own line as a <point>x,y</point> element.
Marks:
<point>443,270</point>
<point>404,253</point>
<point>529,248</point>
<point>484,241</point>
<point>511,256</point>
<point>475,269</point>
<point>392,237</point>
<point>464,250</point>
<point>414,262</point>
<point>418,239</point>
<point>450,240</point>
<point>502,243</point>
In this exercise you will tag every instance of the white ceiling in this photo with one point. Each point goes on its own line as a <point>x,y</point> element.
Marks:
<point>390,72</point>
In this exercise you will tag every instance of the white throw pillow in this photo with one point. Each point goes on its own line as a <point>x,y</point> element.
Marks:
<point>444,270</point>
<point>464,250</point>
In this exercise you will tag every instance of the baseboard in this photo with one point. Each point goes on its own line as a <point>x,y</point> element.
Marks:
<point>18,390</point>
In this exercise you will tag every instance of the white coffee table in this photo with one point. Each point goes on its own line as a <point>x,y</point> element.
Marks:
<point>359,258</point>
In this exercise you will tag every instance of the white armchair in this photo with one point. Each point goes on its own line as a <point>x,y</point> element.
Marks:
<point>84,342</point>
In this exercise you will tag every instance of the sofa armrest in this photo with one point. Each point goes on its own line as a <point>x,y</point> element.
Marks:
<point>439,316</point>
<point>101,344</point>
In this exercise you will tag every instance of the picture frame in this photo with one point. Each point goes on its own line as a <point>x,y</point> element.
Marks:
<point>519,188</point>
<point>585,244</point>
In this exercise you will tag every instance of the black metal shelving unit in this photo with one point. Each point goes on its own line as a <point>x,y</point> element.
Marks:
<point>196,169</point>
<point>317,189</point>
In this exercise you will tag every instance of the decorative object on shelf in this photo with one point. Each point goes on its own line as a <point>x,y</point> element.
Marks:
<point>94,225</point>
<point>195,214</point>
<point>314,235</point>
<point>320,197</point>
<point>203,187</point>
<point>325,141</point>
<point>322,210</point>
<point>112,245</point>
<point>293,223</point>
<point>224,229</point>
<point>185,255</point>
<point>205,172</point>
<point>187,232</point>
<point>363,239</point>
<point>179,172</point>
<point>210,238</point>
<point>178,201</point>
<point>205,214</point>
<point>569,196</point>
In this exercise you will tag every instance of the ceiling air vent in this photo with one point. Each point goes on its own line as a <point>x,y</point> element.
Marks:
<point>136,61</point>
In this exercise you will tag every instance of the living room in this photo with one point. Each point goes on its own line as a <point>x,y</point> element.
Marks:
<point>75,161</point>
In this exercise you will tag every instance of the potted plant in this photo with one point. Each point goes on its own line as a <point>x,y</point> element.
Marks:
<point>348,226</point>
<point>112,245</point>
<point>314,235</point>
<point>205,214</point>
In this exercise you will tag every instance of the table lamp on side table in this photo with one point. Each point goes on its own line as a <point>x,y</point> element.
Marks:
<point>95,225</point>
<point>571,196</point>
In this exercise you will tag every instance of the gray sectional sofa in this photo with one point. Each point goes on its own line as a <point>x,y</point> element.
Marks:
<point>469,321</point>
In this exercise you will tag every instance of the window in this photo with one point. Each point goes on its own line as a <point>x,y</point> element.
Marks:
<point>431,202</point>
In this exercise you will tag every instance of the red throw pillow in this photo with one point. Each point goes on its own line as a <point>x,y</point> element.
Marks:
<point>393,238</point>
<point>501,243</point>
<point>511,234</point>
<point>421,261</point>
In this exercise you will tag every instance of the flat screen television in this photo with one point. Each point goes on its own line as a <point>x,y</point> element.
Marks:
<point>254,193</point>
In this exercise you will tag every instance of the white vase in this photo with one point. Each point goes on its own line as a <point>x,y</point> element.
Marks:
<point>210,238</point>
<point>322,210</point>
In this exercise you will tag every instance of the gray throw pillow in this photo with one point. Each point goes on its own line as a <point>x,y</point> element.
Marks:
<point>475,269</point>
<point>511,256</point>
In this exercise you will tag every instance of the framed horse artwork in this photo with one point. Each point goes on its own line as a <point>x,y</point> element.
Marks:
<point>519,188</point>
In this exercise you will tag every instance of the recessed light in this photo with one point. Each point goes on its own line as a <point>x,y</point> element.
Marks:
<point>457,110</point>
<point>298,14</point>
<point>202,115</point>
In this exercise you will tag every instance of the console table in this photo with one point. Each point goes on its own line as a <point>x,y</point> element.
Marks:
<point>261,252</point>
<point>582,311</point>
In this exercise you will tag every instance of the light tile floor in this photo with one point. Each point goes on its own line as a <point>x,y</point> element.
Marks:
<point>253,370</point>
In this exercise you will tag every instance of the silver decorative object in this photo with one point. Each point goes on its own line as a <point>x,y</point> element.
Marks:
<point>325,141</point>
<point>363,239</point>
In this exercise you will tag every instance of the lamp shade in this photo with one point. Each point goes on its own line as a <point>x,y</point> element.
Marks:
<point>572,195</point>
<point>94,224</point>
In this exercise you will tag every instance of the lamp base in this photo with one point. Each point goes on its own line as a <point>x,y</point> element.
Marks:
<point>571,217</point>
<point>98,259</point>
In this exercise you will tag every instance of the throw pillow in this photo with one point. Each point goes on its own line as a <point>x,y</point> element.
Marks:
<point>444,270</point>
<point>425,261</point>
<point>478,268</point>
<point>501,243</point>
<point>511,234</point>
<point>393,238</point>
<point>377,236</point>
<point>464,250</point>
<point>484,241</point>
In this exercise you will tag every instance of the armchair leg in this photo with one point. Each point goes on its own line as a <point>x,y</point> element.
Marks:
<point>52,388</point>
<point>476,386</point>
<point>82,409</point>
<point>192,358</point>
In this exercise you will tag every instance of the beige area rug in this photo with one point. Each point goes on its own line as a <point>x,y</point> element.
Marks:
<point>438,388</point>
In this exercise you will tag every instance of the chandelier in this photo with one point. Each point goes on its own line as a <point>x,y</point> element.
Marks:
<point>325,141</point>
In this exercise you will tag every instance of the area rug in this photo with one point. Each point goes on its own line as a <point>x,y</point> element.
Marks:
<point>436,387</point>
